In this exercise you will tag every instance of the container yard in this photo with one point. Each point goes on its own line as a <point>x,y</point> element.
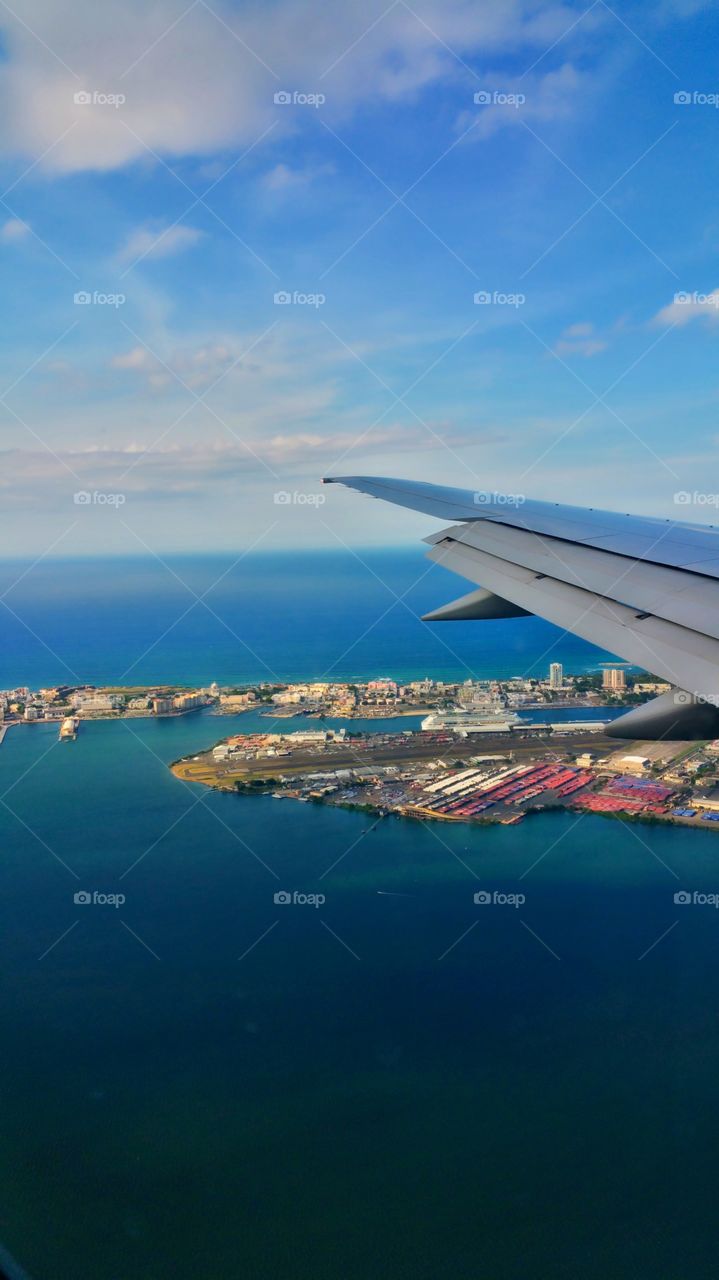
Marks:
<point>473,792</point>
<point>449,778</point>
<point>627,794</point>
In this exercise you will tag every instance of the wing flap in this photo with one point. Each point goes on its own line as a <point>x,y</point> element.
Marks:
<point>685,657</point>
<point>672,594</point>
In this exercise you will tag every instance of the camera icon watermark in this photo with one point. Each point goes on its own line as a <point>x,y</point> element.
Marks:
<point>497,898</point>
<point>682,698</point>
<point>683,898</point>
<point>498,98</point>
<point>83,298</point>
<point>96,98</point>
<point>685,498</point>
<point>284,898</point>
<point>96,498</point>
<point>297,299</point>
<point>283,498</point>
<point>495,298</point>
<point>695,98</point>
<point>683,298</point>
<point>482,498</point>
<point>85,898</point>
<point>294,98</point>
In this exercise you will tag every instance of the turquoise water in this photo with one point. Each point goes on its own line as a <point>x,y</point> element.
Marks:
<point>184,1096</point>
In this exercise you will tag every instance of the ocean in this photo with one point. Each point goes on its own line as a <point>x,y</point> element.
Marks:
<point>397,1082</point>
<point>196,619</point>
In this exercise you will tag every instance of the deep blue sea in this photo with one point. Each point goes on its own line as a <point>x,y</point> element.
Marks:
<point>397,1084</point>
<point>267,616</point>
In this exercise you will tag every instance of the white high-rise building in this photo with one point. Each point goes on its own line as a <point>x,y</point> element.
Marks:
<point>556,675</point>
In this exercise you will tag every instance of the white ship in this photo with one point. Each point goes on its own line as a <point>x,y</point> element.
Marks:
<point>484,720</point>
<point>68,728</point>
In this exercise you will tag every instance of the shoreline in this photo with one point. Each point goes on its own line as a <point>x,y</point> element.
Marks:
<point>269,789</point>
<point>488,781</point>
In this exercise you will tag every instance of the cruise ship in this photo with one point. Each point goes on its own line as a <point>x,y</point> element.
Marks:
<point>491,720</point>
<point>68,728</point>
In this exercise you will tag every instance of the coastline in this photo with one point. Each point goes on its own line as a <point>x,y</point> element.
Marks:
<point>270,787</point>
<point>478,779</point>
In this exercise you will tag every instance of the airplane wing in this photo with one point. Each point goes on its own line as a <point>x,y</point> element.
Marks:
<point>645,589</point>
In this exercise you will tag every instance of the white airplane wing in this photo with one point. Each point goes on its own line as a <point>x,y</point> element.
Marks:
<point>645,589</point>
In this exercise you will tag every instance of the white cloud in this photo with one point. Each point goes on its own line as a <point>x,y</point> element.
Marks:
<point>537,98</point>
<point>690,306</point>
<point>159,243</point>
<point>196,366</point>
<point>148,473</point>
<point>14,229</point>
<point>207,82</point>
<point>581,340</point>
<point>284,178</point>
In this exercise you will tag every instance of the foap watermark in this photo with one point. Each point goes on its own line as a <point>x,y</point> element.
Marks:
<point>685,898</point>
<point>482,498</point>
<point>497,898</point>
<point>684,298</point>
<point>96,98</point>
<point>283,298</point>
<point>687,498</point>
<point>296,98</point>
<point>283,498</point>
<point>283,898</point>
<point>83,298</point>
<point>498,98</point>
<point>483,298</point>
<point>95,898</point>
<point>97,498</point>
<point>695,98</point>
<point>682,698</point>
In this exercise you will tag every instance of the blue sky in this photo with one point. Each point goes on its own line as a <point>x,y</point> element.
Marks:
<point>582,205</point>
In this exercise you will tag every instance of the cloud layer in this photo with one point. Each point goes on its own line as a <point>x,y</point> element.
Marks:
<point>126,80</point>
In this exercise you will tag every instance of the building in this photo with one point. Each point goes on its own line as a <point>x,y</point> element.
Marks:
<point>556,675</point>
<point>236,701</point>
<point>287,697</point>
<point>635,764</point>
<point>316,735</point>
<point>188,701</point>
<point>710,800</point>
<point>162,706</point>
<point>614,678</point>
<point>94,702</point>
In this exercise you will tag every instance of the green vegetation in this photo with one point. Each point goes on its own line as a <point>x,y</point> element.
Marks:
<point>254,786</point>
